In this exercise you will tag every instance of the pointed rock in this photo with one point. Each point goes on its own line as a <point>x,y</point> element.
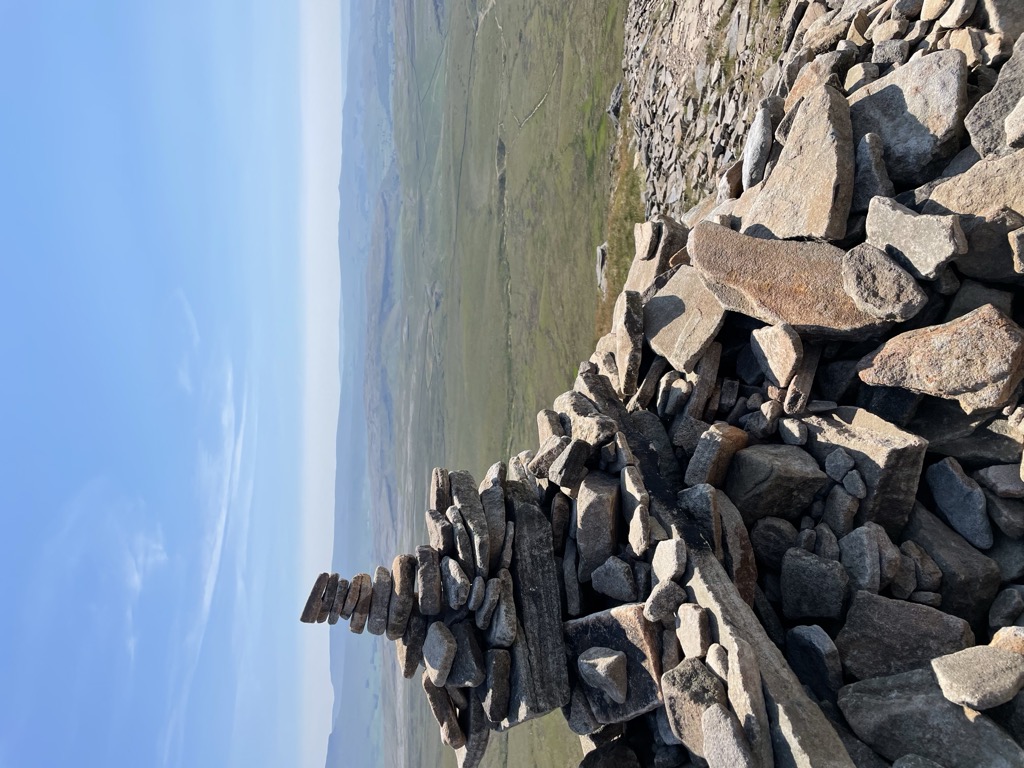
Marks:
<point>879,286</point>
<point>604,669</point>
<point>682,319</point>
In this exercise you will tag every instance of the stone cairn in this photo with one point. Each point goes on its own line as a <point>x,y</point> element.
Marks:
<point>779,519</point>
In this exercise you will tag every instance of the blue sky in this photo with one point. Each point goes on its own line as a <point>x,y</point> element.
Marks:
<point>168,337</point>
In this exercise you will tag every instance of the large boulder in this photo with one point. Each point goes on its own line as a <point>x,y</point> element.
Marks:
<point>986,120</point>
<point>773,481</point>
<point>907,714</point>
<point>808,194</point>
<point>780,281</point>
<point>682,319</point>
<point>918,110</point>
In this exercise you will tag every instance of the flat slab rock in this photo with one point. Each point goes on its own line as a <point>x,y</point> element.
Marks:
<point>780,281</point>
<point>981,677</point>
<point>907,714</point>
<point>976,360</point>
<point>682,319</point>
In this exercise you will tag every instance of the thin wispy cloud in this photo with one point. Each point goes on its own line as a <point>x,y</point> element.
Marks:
<point>192,340</point>
<point>224,478</point>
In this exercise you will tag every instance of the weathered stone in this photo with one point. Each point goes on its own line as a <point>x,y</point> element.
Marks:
<point>505,561</point>
<point>860,558</point>
<point>838,463</point>
<point>614,578</point>
<point>989,197</point>
<point>772,481</point>
<point>871,177</point>
<point>663,601</point>
<point>338,605</point>
<point>981,677</point>
<point>635,505</point>
<point>758,147</point>
<point>777,281</point>
<point>467,498</point>
<point>1007,607</point>
<point>1008,555</point>
<point>815,660</point>
<point>972,295</point>
<point>597,518</point>
<point>907,714</point>
<point>922,243</point>
<point>428,579</point>
<point>409,647</point>
<point>812,587</point>
<point>380,600</point>
<point>725,745</point>
<point>1003,480</point>
<point>440,534</point>
<point>1009,639</point>
<point>986,122</point>
<point>439,495</point>
<point>361,609</point>
<point>495,691</point>
<point>715,449</point>
<point>492,497</point>
<point>707,379</point>
<point>585,422</point>
<point>628,327</point>
<point>477,592</point>
<point>439,649</point>
<point>463,545</point>
<point>960,501</point>
<point>883,636</point>
<point>793,431</point>
<point>809,191</point>
<point>879,286</point>
<point>1014,126</point>
<point>549,450</point>
<point>478,734</point>
<point>888,458</point>
<point>693,630</point>
<point>444,713</point>
<point>547,425</point>
<point>504,623</point>
<point>977,359</point>
<point>605,670</point>
<point>329,596</point>
<point>918,112</point>
<point>682,319</point>
<point>890,53</point>
<point>621,629</point>
<point>669,561</point>
<point>455,583</point>
<point>778,351</point>
<point>1006,514</point>
<point>771,538</point>
<point>311,611</point>
<point>569,469</point>
<point>467,670</point>
<point>688,690</point>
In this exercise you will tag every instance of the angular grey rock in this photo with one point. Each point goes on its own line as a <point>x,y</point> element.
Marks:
<point>361,612</point>
<point>440,534</point>
<point>918,111</point>
<point>960,501</point>
<point>569,469</point>
<point>1007,608</point>
<point>495,691</point>
<point>504,623</point>
<point>439,495</point>
<point>860,558</point>
<point>561,518</point>
<point>455,583</point>
<point>547,425</point>
<point>663,601</point>
<point>981,677</point>
<point>815,660</point>
<point>772,481</point>
<point>809,191</point>
<point>409,647</point>
<point>758,147</point>
<point>922,243</point>
<point>793,431</point>
<point>682,319</point>
<point>477,592</point>
<point>339,602</point>
<point>890,52</point>
<point>463,544</point>
<point>779,281</point>
<point>825,543</point>
<point>428,580</point>
<point>614,578</point>
<point>871,178</point>
<point>605,670</point>
<point>492,497</point>
<point>771,538</point>
<point>329,596</point>
<point>888,458</point>
<point>585,421</point>
<point>747,698</point>
<point>725,745</point>
<point>986,122</point>
<point>628,327</point>
<point>779,351</point>
<point>597,517</point>
<point>693,630</point>
<point>549,450</point>
<point>621,629</point>
<point>1008,555</point>
<point>838,463</point>
<point>883,636</point>
<point>879,286</point>
<point>1003,480</point>
<point>907,714</point>
<point>635,505</point>
<point>977,359</point>
<point>439,649</point>
<point>715,449</point>
<point>669,561</point>
<point>444,713</point>
<point>798,394</point>
<point>570,578</point>
<point>311,610</point>
<point>478,734</point>
<point>812,587</point>
<point>505,562</point>
<point>467,498</point>
<point>380,600</point>
<point>492,594</point>
<point>1014,126</point>
<point>645,237</point>
<point>972,295</point>
<point>467,670</point>
<point>688,690</point>
<point>1006,514</point>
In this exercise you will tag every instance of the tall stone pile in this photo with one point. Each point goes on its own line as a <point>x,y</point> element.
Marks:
<point>779,518</point>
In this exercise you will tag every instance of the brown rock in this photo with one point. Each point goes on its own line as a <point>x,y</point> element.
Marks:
<point>444,712</point>
<point>779,282</point>
<point>362,610</point>
<point>312,608</point>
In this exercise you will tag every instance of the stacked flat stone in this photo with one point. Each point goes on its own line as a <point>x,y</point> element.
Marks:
<point>779,518</point>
